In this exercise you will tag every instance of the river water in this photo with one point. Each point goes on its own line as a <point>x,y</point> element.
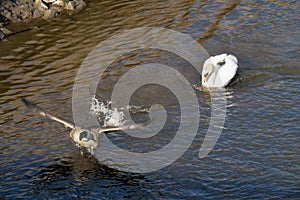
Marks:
<point>257,154</point>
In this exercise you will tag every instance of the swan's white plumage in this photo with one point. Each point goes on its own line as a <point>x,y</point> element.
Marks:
<point>219,70</point>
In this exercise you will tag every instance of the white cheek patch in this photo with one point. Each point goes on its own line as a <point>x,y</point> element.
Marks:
<point>85,136</point>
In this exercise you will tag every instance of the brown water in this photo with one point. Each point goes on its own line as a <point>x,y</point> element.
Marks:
<point>257,155</point>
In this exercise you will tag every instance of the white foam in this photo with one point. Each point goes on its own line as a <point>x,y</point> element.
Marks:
<point>106,115</point>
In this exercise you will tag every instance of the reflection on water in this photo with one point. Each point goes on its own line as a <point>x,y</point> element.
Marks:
<point>256,155</point>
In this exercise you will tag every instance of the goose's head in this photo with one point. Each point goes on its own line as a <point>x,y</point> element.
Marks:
<point>84,137</point>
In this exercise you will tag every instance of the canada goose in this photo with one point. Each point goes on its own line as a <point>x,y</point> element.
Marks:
<point>82,136</point>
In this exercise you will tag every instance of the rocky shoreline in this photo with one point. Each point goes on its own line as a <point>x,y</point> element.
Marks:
<point>12,11</point>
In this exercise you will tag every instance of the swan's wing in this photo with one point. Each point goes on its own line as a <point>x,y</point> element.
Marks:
<point>121,128</point>
<point>228,70</point>
<point>218,58</point>
<point>214,79</point>
<point>42,112</point>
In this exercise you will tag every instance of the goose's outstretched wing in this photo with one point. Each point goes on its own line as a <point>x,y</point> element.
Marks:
<point>122,128</point>
<point>42,112</point>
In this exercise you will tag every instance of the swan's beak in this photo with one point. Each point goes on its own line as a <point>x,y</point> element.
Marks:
<point>206,76</point>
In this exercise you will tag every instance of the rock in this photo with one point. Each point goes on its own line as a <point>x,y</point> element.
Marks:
<point>69,6</point>
<point>39,4</point>
<point>19,10</point>
<point>60,3</point>
<point>6,31</point>
<point>2,35</point>
<point>78,5</point>
<point>49,1</point>
<point>49,14</point>
<point>3,20</point>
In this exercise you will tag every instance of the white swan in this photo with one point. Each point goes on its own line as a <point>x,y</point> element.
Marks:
<point>219,70</point>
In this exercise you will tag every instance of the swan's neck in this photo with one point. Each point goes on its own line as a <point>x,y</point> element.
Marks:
<point>215,79</point>
<point>213,76</point>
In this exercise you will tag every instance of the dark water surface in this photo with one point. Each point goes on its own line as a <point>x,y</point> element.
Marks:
<point>257,155</point>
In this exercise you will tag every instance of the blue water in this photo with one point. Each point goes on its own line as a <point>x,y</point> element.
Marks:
<point>257,154</point>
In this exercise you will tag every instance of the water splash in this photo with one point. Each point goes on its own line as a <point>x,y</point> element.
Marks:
<point>106,115</point>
